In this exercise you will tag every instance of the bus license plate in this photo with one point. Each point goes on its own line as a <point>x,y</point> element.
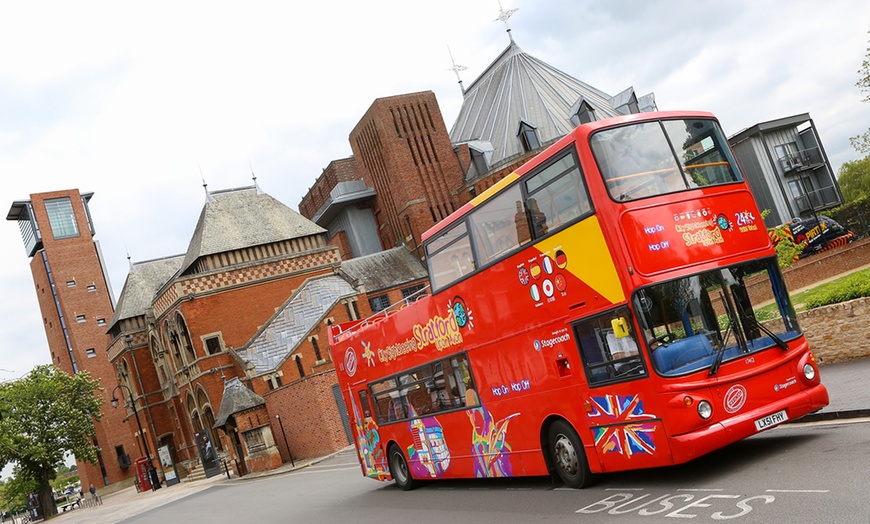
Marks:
<point>771,420</point>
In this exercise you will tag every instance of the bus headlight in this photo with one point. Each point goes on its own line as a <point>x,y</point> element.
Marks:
<point>705,410</point>
<point>809,371</point>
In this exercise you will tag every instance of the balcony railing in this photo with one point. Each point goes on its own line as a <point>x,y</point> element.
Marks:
<point>818,200</point>
<point>803,159</point>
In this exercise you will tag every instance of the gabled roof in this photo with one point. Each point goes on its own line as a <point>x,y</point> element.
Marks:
<point>244,217</point>
<point>143,281</point>
<point>385,269</point>
<point>519,86</point>
<point>237,398</point>
<point>281,335</point>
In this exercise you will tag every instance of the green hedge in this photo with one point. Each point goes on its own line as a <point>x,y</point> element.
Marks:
<point>853,286</point>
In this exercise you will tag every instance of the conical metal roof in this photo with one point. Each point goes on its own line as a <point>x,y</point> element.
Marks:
<point>518,87</point>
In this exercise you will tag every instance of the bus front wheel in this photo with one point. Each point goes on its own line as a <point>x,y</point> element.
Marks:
<point>567,455</point>
<point>399,469</point>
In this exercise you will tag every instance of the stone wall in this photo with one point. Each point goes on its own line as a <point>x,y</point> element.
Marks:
<point>838,332</point>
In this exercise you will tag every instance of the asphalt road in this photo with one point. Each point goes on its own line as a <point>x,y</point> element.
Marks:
<point>792,473</point>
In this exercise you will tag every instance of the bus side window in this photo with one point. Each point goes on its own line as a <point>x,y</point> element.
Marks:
<point>364,404</point>
<point>607,357</point>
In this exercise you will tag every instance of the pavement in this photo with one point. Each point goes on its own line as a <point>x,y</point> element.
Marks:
<point>847,384</point>
<point>128,503</point>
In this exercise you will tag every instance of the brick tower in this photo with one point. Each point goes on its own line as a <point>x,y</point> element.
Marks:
<point>75,300</point>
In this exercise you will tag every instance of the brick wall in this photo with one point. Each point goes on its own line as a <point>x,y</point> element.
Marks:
<point>828,264</point>
<point>309,414</point>
<point>814,269</point>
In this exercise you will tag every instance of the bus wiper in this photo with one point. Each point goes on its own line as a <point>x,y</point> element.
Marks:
<point>732,324</point>
<point>755,323</point>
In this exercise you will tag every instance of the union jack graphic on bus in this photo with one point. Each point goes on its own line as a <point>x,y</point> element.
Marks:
<point>617,431</point>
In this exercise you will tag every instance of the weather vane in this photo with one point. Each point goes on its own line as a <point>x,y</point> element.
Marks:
<point>456,69</point>
<point>503,17</point>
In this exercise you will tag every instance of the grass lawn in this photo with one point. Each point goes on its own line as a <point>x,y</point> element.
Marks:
<point>845,288</point>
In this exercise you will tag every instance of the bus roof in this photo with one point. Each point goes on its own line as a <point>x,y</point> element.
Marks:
<point>586,129</point>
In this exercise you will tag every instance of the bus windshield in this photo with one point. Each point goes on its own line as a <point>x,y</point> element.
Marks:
<point>667,156</point>
<point>703,320</point>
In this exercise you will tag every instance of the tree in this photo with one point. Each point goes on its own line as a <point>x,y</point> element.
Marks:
<point>861,143</point>
<point>43,417</point>
<point>854,179</point>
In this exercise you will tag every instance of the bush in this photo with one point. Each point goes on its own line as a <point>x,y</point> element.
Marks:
<point>854,286</point>
<point>854,216</point>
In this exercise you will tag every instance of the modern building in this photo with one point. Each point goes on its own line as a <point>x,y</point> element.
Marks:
<point>787,168</point>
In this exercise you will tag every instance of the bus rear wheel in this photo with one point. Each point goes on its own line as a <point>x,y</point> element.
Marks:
<point>567,455</point>
<point>399,469</point>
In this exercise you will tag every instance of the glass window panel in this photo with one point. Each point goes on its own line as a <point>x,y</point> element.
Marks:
<point>61,218</point>
<point>499,225</point>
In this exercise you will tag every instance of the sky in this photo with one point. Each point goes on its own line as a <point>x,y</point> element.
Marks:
<point>143,103</point>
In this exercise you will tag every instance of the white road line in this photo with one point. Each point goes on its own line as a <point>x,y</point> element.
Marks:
<point>798,491</point>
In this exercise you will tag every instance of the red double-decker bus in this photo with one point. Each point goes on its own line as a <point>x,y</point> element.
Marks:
<point>613,304</point>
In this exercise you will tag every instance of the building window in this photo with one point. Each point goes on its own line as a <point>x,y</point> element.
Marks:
<point>478,160</point>
<point>61,218</point>
<point>91,352</point>
<point>274,382</point>
<point>316,349</point>
<point>92,288</point>
<point>213,345</point>
<point>254,440</point>
<point>298,359</point>
<point>71,283</point>
<point>101,321</point>
<point>407,292</point>
<point>123,458</point>
<point>585,114</point>
<point>529,136</point>
<point>379,303</point>
<point>80,319</point>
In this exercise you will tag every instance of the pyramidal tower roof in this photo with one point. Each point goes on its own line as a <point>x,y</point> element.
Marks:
<point>244,217</point>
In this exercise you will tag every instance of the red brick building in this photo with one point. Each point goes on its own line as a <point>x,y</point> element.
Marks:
<point>75,300</point>
<point>247,305</point>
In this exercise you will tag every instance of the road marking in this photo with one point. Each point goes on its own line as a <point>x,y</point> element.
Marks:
<point>798,491</point>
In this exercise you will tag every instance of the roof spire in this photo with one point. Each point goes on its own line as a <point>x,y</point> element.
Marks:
<point>129,260</point>
<point>456,69</point>
<point>257,186</point>
<point>503,17</point>
<point>208,197</point>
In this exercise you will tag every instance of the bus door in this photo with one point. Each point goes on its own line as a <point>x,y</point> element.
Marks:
<point>372,455</point>
<point>624,428</point>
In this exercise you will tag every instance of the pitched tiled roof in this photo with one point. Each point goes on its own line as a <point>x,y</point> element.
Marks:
<point>143,281</point>
<point>245,217</point>
<point>518,86</point>
<point>279,337</point>
<point>385,269</point>
<point>236,398</point>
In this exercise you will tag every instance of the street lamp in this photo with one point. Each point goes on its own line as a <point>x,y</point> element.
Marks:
<point>285,440</point>
<point>152,472</point>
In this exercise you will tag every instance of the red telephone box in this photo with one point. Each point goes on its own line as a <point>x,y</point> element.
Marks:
<point>142,467</point>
